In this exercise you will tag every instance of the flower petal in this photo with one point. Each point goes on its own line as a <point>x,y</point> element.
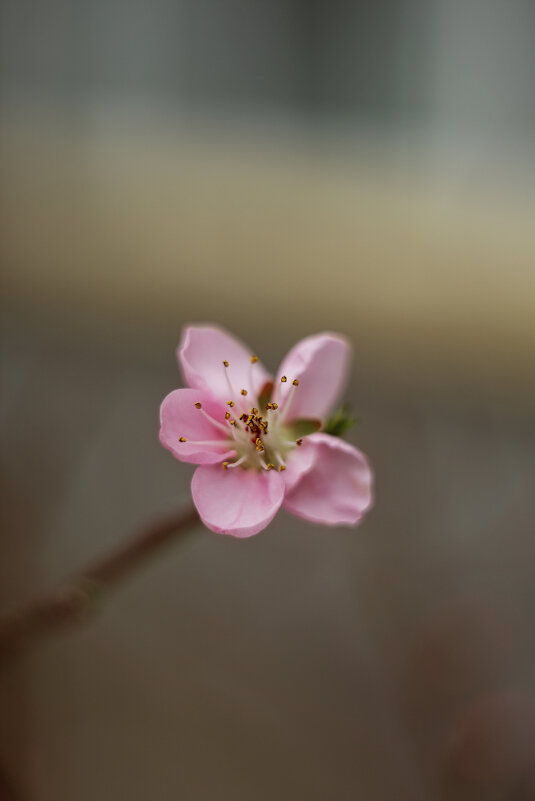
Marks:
<point>299,462</point>
<point>320,363</point>
<point>336,489</point>
<point>201,354</point>
<point>180,418</point>
<point>236,501</point>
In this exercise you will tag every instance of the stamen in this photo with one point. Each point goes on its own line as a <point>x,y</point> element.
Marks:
<point>230,403</point>
<point>253,361</point>
<point>235,464</point>
<point>280,460</point>
<point>225,465</point>
<point>221,426</point>
<point>243,392</point>
<point>211,442</point>
<point>198,405</point>
<point>299,442</point>
<point>284,379</point>
<point>182,439</point>
<point>229,385</point>
<point>288,401</point>
<point>227,415</point>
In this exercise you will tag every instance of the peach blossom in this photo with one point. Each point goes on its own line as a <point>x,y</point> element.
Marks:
<point>258,443</point>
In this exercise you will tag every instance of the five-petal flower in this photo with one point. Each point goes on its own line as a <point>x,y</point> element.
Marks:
<point>258,443</point>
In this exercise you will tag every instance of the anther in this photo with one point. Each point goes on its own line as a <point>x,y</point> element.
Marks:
<point>282,467</point>
<point>254,359</point>
<point>244,392</point>
<point>198,405</point>
<point>254,410</point>
<point>295,382</point>
<point>225,363</point>
<point>224,465</point>
<point>227,415</point>
<point>233,423</point>
<point>182,439</point>
<point>270,466</point>
<point>274,406</point>
<point>284,379</point>
<point>229,403</point>
<point>299,442</point>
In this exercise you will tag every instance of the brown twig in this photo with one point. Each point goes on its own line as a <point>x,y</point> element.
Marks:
<point>72,600</point>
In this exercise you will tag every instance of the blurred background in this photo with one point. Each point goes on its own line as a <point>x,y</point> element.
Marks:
<point>279,167</point>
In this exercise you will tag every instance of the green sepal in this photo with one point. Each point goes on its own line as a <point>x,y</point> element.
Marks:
<point>339,422</point>
<point>303,427</point>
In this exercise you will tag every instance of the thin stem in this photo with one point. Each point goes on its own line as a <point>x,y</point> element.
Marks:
<point>72,600</point>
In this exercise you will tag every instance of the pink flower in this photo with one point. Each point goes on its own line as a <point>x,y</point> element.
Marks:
<point>258,443</point>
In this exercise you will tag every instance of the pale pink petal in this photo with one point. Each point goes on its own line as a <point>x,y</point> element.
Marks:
<point>336,489</point>
<point>299,461</point>
<point>320,363</point>
<point>235,501</point>
<point>180,418</point>
<point>201,354</point>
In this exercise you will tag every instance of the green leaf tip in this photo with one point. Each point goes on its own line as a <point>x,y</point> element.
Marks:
<point>340,421</point>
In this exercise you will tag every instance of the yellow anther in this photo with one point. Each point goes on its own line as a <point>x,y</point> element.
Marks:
<point>284,379</point>
<point>295,382</point>
<point>270,466</point>
<point>227,415</point>
<point>182,439</point>
<point>244,392</point>
<point>225,363</point>
<point>254,359</point>
<point>274,406</point>
<point>198,405</point>
<point>230,403</point>
<point>224,465</point>
<point>254,410</point>
<point>233,423</point>
<point>282,467</point>
<point>298,441</point>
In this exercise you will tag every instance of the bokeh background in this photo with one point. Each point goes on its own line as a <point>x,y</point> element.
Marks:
<point>280,167</point>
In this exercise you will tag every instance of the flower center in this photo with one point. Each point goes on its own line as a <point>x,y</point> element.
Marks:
<point>256,433</point>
